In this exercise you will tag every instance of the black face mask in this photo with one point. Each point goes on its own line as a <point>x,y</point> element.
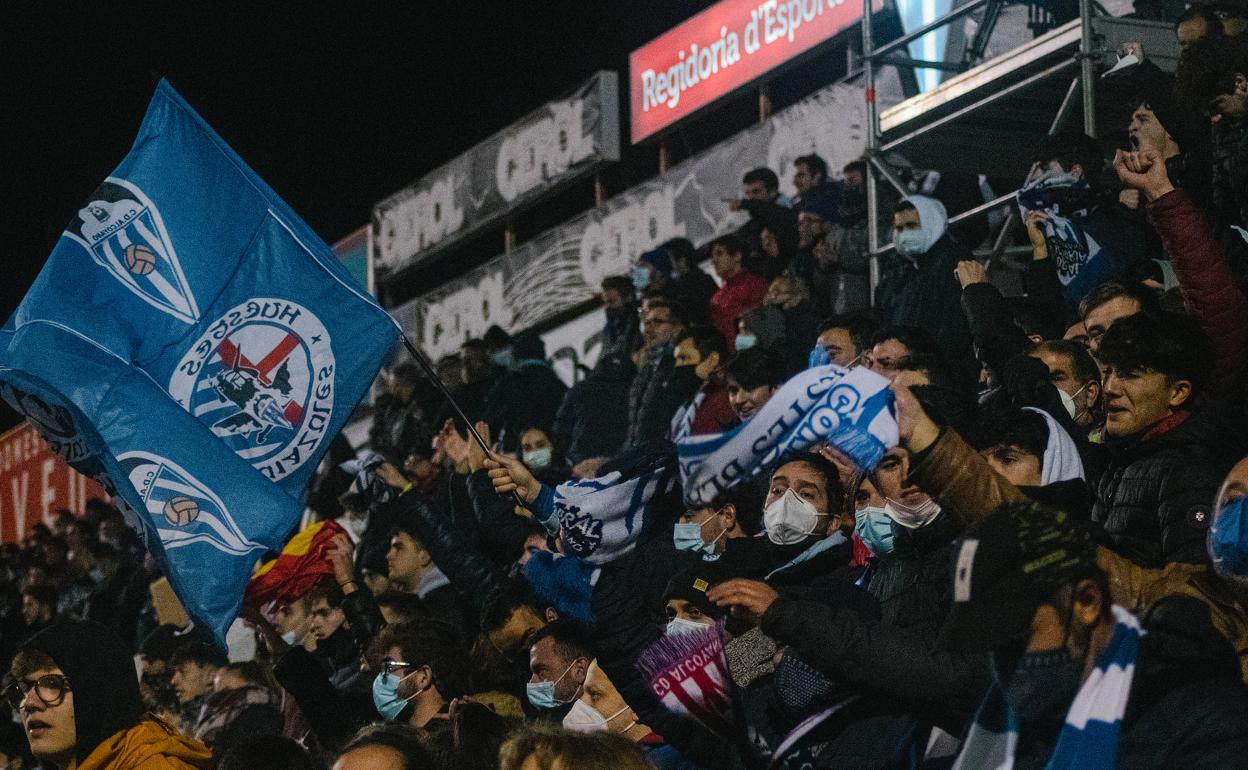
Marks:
<point>617,315</point>
<point>686,381</point>
<point>338,647</point>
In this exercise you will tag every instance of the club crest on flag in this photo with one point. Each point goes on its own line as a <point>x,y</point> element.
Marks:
<point>262,378</point>
<point>124,233</point>
<point>54,422</point>
<point>183,510</point>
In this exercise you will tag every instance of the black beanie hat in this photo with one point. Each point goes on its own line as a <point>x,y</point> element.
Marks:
<point>101,675</point>
<point>691,585</point>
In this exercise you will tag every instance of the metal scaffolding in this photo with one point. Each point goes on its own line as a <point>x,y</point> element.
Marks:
<point>992,111</point>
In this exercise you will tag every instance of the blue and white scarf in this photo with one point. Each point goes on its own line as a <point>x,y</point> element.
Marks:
<point>851,409</point>
<point>599,520</point>
<point>1080,261</point>
<point>1089,739</point>
<point>682,421</point>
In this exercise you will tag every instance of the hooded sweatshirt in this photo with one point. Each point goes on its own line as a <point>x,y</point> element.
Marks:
<point>921,290</point>
<point>108,710</point>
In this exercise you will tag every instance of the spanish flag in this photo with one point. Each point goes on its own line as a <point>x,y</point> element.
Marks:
<point>301,565</point>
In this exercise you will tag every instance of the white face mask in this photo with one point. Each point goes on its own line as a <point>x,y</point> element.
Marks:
<point>678,626</point>
<point>911,516</point>
<point>1068,401</point>
<point>790,519</point>
<point>583,718</point>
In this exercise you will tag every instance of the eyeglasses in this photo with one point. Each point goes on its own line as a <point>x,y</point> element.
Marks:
<point>390,666</point>
<point>50,688</point>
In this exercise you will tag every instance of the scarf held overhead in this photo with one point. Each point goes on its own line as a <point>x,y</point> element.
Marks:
<point>850,409</point>
<point>1080,262</point>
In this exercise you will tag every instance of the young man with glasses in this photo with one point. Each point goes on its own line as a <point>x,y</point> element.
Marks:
<point>75,688</point>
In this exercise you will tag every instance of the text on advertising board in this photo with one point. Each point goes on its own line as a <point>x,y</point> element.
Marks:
<point>721,49</point>
<point>35,483</point>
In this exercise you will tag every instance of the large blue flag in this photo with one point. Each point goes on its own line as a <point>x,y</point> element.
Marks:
<point>203,344</point>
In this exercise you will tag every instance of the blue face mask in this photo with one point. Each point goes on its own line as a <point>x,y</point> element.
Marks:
<point>746,341</point>
<point>680,626</point>
<point>688,537</point>
<point>640,277</point>
<point>542,694</point>
<point>875,528</point>
<point>819,356</point>
<point>386,695</point>
<point>503,357</point>
<point>1228,538</point>
<point>911,242</point>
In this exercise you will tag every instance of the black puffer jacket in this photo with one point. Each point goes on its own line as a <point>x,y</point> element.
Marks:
<point>1154,499</point>
<point>653,399</point>
<point>912,584</point>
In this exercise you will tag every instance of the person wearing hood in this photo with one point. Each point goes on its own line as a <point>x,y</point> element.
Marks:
<point>762,328</point>
<point>619,304</point>
<point>690,286</point>
<point>920,287</point>
<point>653,271</point>
<point>588,423</point>
<point>75,688</point>
<point>528,395</point>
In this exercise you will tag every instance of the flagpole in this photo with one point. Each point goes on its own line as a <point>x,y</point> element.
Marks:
<point>472,429</point>
<point>432,374</point>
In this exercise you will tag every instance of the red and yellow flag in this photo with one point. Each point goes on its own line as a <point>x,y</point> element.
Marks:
<point>300,565</point>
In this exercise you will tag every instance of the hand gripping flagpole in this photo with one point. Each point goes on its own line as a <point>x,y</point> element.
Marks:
<point>432,374</point>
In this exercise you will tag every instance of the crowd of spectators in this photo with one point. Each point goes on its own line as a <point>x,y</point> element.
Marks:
<point>1049,569</point>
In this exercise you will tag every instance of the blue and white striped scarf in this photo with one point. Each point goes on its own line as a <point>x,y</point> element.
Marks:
<point>1081,263</point>
<point>1089,739</point>
<point>599,520</point>
<point>851,409</point>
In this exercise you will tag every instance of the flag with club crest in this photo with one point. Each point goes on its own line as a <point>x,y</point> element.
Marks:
<point>192,341</point>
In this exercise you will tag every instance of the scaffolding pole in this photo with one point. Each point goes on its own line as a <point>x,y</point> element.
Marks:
<point>1087,67</point>
<point>873,141</point>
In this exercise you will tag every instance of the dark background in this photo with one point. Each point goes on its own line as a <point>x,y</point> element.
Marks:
<point>336,105</point>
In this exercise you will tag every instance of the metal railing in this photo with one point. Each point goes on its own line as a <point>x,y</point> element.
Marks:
<point>1083,83</point>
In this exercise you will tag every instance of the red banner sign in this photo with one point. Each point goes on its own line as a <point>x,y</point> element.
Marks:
<point>35,483</point>
<point>722,49</point>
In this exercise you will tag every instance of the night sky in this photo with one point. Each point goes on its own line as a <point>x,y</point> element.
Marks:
<point>335,104</point>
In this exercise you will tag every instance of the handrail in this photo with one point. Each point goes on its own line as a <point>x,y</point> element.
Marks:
<point>910,37</point>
